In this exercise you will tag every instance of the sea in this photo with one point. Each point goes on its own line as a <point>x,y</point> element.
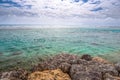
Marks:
<point>24,46</point>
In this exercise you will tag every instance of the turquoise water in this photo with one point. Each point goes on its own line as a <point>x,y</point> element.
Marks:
<point>24,44</point>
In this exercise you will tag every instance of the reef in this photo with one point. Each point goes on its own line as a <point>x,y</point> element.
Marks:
<point>67,67</point>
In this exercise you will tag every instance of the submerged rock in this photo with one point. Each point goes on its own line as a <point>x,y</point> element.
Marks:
<point>49,75</point>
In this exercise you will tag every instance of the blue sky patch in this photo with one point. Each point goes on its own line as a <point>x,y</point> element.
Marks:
<point>96,2</point>
<point>76,0</point>
<point>29,6</point>
<point>85,1</point>
<point>97,9</point>
<point>15,4</point>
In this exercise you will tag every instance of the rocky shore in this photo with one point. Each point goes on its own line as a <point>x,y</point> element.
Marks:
<point>67,67</point>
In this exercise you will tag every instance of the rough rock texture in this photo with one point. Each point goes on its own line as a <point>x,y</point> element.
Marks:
<point>62,61</point>
<point>84,68</point>
<point>90,71</point>
<point>14,75</point>
<point>117,66</point>
<point>81,72</point>
<point>49,75</point>
<point>100,60</point>
<point>65,67</point>
<point>78,68</point>
<point>86,57</point>
<point>110,77</point>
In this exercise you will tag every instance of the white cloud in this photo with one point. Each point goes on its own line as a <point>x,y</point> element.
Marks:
<point>69,8</point>
<point>63,9</point>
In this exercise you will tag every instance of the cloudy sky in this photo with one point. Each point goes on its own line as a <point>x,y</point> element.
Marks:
<point>61,12</point>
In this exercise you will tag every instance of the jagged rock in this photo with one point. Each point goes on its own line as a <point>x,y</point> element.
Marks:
<point>14,75</point>
<point>100,60</point>
<point>106,68</point>
<point>82,72</point>
<point>91,70</point>
<point>56,62</point>
<point>86,57</point>
<point>117,66</point>
<point>65,67</point>
<point>49,75</point>
<point>85,68</point>
<point>76,67</point>
<point>110,77</point>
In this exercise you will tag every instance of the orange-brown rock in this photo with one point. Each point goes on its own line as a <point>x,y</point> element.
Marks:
<point>100,60</point>
<point>49,75</point>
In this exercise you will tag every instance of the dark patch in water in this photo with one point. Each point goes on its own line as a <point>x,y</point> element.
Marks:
<point>48,47</point>
<point>79,41</point>
<point>1,53</point>
<point>16,53</point>
<point>12,50</point>
<point>94,44</point>
<point>71,51</point>
<point>32,47</point>
<point>40,40</point>
<point>36,49</point>
<point>29,51</point>
<point>24,48</point>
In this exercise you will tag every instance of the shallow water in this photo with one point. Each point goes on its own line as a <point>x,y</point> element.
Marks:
<point>24,44</point>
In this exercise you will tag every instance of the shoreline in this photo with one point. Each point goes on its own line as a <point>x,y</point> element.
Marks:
<point>70,65</point>
<point>34,60</point>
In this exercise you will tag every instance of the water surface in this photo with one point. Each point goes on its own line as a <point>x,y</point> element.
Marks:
<point>20,45</point>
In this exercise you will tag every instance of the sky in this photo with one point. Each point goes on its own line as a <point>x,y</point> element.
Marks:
<point>61,12</point>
